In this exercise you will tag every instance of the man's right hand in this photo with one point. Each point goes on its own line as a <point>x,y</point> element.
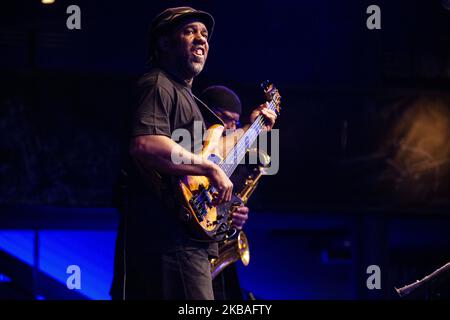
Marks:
<point>156,151</point>
<point>222,183</point>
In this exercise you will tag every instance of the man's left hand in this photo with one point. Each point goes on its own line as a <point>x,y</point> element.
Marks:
<point>269,116</point>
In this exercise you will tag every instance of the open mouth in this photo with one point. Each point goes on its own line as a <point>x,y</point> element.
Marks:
<point>199,52</point>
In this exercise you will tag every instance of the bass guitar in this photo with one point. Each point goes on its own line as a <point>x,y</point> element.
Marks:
<point>210,222</point>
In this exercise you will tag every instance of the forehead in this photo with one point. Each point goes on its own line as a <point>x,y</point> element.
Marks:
<point>191,22</point>
<point>232,115</point>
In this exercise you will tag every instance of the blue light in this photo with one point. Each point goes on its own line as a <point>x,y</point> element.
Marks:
<point>92,251</point>
<point>4,278</point>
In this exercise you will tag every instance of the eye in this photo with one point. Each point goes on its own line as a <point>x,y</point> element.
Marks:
<point>189,31</point>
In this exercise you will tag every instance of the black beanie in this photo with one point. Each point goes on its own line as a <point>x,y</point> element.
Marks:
<point>222,98</point>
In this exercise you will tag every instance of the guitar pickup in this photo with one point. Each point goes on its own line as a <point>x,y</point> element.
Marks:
<point>208,197</point>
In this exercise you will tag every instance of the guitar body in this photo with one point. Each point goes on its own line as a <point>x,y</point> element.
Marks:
<point>209,222</point>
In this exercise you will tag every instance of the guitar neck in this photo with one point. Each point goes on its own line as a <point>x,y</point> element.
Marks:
<point>237,153</point>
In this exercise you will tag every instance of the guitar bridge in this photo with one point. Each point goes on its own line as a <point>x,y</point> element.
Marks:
<point>200,202</point>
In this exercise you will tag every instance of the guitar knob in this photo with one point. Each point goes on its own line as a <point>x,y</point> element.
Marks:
<point>185,217</point>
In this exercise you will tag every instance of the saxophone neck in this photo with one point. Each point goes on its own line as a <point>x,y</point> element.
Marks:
<point>250,186</point>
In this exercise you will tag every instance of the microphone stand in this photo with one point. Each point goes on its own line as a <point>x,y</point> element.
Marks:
<point>403,291</point>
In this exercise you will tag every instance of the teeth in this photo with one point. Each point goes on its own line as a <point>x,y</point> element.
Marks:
<point>199,51</point>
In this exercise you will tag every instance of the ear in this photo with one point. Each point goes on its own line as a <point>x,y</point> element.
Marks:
<point>163,43</point>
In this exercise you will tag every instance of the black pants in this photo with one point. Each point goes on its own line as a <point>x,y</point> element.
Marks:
<point>226,285</point>
<point>174,275</point>
<point>187,275</point>
<point>183,272</point>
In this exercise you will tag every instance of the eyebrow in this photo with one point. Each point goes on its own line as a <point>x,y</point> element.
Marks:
<point>196,26</point>
<point>230,117</point>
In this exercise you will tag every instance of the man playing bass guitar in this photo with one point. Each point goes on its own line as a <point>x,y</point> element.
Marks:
<point>161,259</point>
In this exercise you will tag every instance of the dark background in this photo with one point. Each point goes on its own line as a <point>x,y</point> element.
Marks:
<point>364,132</point>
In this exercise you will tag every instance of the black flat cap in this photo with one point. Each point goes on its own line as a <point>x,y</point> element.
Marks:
<point>172,16</point>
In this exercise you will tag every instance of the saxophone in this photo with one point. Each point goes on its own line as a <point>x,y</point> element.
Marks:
<point>237,248</point>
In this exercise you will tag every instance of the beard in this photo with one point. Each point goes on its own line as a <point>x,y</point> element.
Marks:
<point>191,65</point>
<point>194,65</point>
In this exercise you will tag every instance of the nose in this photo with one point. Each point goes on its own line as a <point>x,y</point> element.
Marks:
<point>200,38</point>
<point>230,124</point>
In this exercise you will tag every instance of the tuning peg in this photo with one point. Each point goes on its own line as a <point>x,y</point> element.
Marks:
<point>266,85</point>
<point>278,110</point>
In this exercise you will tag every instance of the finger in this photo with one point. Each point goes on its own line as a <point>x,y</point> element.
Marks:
<point>229,194</point>
<point>266,109</point>
<point>240,217</point>
<point>268,126</point>
<point>225,195</point>
<point>269,113</point>
<point>240,214</point>
<point>238,223</point>
<point>221,196</point>
<point>272,113</point>
<point>242,210</point>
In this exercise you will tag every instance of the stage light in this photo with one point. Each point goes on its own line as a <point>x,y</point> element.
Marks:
<point>47,1</point>
<point>418,145</point>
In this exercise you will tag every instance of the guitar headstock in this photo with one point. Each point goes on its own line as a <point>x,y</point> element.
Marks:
<point>271,94</point>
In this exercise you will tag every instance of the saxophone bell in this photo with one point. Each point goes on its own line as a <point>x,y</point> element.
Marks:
<point>230,252</point>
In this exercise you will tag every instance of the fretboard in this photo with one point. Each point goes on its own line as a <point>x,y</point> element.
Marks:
<point>237,153</point>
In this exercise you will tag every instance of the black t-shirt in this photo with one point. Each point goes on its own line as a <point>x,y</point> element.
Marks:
<point>153,224</point>
<point>164,106</point>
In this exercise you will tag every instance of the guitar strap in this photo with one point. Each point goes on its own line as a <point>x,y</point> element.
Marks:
<point>209,115</point>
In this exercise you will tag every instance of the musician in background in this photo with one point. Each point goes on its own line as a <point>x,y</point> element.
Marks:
<point>227,106</point>
<point>156,255</point>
